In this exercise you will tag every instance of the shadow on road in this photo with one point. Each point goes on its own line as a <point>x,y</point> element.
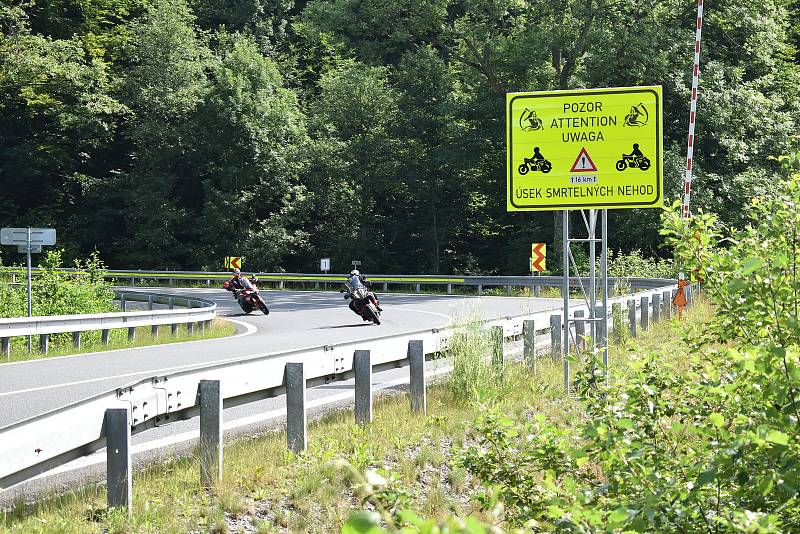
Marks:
<point>342,326</point>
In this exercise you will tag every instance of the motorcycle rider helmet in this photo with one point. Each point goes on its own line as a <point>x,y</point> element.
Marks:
<point>237,273</point>
<point>354,272</point>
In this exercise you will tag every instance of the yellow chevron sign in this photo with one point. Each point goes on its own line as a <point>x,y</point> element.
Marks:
<point>233,262</point>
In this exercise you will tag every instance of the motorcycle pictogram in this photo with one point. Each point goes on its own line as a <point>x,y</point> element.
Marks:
<point>535,163</point>
<point>633,160</point>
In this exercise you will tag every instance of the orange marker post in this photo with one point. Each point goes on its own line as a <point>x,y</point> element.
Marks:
<point>680,296</point>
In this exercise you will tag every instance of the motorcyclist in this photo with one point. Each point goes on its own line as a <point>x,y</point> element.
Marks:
<point>355,280</point>
<point>636,154</point>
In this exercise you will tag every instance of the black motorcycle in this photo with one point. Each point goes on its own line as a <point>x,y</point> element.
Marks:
<point>535,165</point>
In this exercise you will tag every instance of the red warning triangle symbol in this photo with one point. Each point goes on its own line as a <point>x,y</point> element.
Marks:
<point>583,163</point>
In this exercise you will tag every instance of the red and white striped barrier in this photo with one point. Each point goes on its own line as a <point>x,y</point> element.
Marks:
<point>687,182</point>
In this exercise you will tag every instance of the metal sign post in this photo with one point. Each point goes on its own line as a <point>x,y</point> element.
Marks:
<point>598,322</point>
<point>28,240</point>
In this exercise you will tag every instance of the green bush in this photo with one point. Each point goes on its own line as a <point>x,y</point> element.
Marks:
<point>708,445</point>
<point>60,293</point>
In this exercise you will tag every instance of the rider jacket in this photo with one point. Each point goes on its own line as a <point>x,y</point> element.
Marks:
<point>239,283</point>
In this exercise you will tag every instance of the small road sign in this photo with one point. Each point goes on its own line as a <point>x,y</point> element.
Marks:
<point>34,249</point>
<point>233,262</point>
<point>355,263</point>
<point>550,135</point>
<point>19,236</point>
<point>538,257</point>
<point>325,264</point>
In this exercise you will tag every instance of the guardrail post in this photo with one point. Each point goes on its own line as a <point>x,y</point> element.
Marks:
<point>385,287</point>
<point>529,342</point>
<point>118,458</point>
<point>537,291</point>
<point>580,331</point>
<point>122,302</point>
<point>149,302</point>
<point>132,333</point>
<point>296,407</point>
<point>7,347</point>
<point>509,290</point>
<point>362,365</point>
<point>154,330</point>
<point>498,356</point>
<point>416,364</point>
<point>480,289</point>
<point>632,317</point>
<point>449,289</point>
<point>171,303</point>
<point>76,340</point>
<point>208,282</point>
<point>645,312</point>
<point>419,286</point>
<point>44,343</point>
<point>667,303</point>
<point>174,328</point>
<point>210,433</point>
<point>190,328</point>
<point>616,320</point>
<point>555,335</point>
<point>656,308</point>
<point>105,334</point>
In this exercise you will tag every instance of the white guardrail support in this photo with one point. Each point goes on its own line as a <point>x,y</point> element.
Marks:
<point>38,444</point>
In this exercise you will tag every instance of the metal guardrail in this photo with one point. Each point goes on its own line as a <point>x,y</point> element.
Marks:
<point>194,310</point>
<point>38,444</point>
<point>417,281</point>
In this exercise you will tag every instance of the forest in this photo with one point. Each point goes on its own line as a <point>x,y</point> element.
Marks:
<point>167,134</point>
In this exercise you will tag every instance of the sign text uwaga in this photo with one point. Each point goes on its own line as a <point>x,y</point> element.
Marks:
<point>596,148</point>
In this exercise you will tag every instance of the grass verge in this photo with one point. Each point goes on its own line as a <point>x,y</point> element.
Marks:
<point>61,344</point>
<point>266,489</point>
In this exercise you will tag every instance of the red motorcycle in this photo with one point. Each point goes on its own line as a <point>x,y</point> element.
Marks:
<point>249,297</point>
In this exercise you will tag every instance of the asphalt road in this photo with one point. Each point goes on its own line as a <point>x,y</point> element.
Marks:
<point>297,320</point>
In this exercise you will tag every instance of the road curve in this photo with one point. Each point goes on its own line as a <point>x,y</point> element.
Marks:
<point>298,319</point>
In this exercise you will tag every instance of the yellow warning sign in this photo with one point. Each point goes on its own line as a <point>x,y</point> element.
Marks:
<point>233,262</point>
<point>593,148</point>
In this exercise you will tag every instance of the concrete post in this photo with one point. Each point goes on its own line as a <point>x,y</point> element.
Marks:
<point>362,365</point>
<point>118,458</point>
<point>667,304</point>
<point>555,335</point>
<point>498,356</point>
<point>656,308</point>
<point>296,407</point>
<point>645,312</point>
<point>105,335</point>
<point>76,340</point>
<point>616,320</point>
<point>580,331</point>
<point>210,433</point>
<point>6,347</point>
<point>44,343</point>
<point>632,317</point>
<point>529,342</point>
<point>416,361</point>
<point>132,333</point>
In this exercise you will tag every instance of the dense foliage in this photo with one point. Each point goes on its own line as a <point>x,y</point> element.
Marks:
<point>702,444</point>
<point>170,133</point>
